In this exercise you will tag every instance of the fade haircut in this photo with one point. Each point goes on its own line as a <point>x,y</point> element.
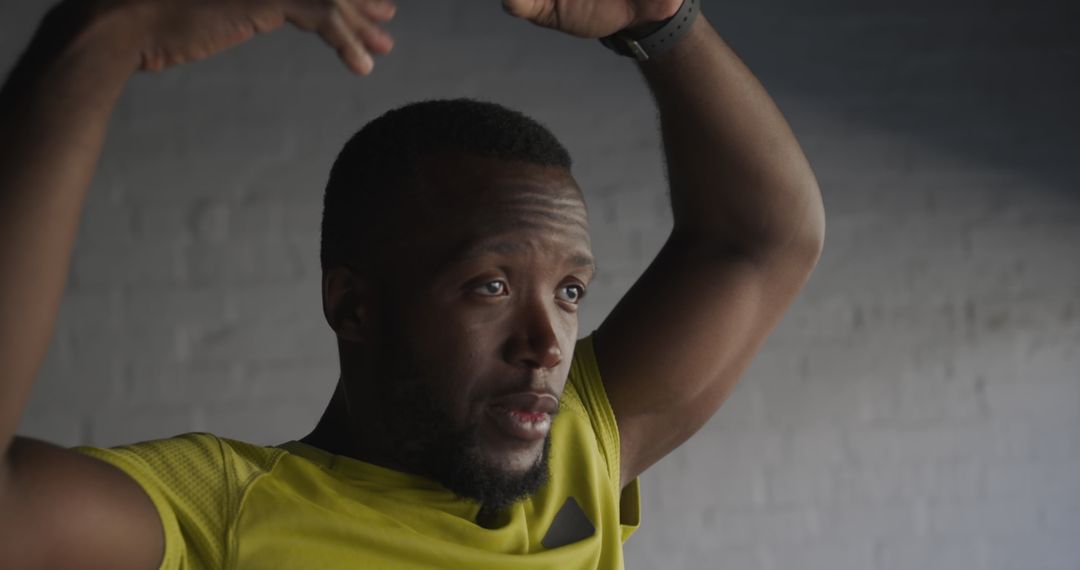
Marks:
<point>378,163</point>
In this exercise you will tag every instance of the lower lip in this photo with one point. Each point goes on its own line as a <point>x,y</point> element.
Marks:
<point>526,426</point>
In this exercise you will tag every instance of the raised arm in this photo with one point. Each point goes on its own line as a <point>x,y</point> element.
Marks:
<point>749,227</point>
<point>59,509</point>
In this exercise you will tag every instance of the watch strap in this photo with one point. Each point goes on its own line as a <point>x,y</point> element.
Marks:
<point>659,40</point>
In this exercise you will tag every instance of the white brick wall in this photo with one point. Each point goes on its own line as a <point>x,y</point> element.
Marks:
<point>919,407</point>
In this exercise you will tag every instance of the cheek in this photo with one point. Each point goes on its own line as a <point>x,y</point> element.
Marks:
<point>568,332</point>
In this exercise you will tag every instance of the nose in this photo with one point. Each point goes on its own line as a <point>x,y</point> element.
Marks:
<point>535,343</point>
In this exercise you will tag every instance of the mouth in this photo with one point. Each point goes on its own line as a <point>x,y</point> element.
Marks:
<point>524,425</point>
<point>524,416</point>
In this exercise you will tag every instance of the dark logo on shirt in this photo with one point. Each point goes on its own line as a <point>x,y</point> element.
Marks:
<point>570,525</point>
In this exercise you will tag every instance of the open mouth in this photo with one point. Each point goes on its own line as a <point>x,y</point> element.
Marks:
<point>525,425</point>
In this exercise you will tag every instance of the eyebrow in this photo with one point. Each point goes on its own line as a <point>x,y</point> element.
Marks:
<point>577,259</point>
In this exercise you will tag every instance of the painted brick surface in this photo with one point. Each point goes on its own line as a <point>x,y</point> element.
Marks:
<point>918,406</point>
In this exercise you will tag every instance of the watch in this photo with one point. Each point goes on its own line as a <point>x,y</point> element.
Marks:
<point>658,41</point>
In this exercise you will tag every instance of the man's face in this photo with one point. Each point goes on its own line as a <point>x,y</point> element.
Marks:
<point>478,320</point>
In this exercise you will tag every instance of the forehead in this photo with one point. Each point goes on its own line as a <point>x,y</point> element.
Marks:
<point>473,204</point>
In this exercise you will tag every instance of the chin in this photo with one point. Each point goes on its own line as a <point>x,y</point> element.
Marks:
<point>516,462</point>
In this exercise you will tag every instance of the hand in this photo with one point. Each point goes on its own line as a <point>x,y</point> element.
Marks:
<point>172,32</point>
<point>592,18</point>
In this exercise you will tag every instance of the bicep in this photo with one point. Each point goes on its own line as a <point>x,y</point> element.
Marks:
<point>675,346</point>
<point>62,509</point>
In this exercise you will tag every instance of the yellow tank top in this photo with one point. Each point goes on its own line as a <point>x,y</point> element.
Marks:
<point>228,504</point>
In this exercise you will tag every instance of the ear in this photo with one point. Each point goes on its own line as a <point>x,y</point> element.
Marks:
<point>346,303</point>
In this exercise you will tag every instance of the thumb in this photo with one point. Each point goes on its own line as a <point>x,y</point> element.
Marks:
<point>527,9</point>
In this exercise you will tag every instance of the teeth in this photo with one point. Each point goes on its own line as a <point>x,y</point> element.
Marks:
<point>535,420</point>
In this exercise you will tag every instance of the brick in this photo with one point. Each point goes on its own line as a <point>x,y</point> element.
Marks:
<point>287,379</point>
<point>256,218</point>
<point>300,340</point>
<point>861,524</point>
<point>250,421</point>
<point>204,220</point>
<point>120,425</point>
<point>78,376</point>
<point>154,342</point>
<point>1039,482</point>
<point>1050,359</point>
<point>177,384</point>
<point>1063,517</point>
<point>619,254</point>
<point>105,224</point>
<point>813,446</point>
<point>663,548</point>
<point>833,387</point>
<point>748,445</point>
<point>1057,400</point>
<point>639,208</point>
<point>834,318</point>
<point>1029,255</point>
<point>261,217</point>
<point>161,223</point>
<point>697,465</point>
<point>822,557</point>
<point>805,486</point>
<point>723,529</point>
<point>933,481</point>
<point>169,307</point>
<point>246,263</point>
<point>89,309</point>
<point>1034,551</point>
<point>61,427</point>
<point>933,553</point>
<point>935,396</point>
<point>133,264</point>
<point>186,167</point>
<point>853,484</point>
<point>299,180</point>
<point>1023,315</point>
<point>988,441</point>
<point>276,303</point>
<point>995,518</point>
<point>741,411</point>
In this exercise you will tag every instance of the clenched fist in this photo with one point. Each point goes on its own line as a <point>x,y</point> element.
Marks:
<point>592,18</point>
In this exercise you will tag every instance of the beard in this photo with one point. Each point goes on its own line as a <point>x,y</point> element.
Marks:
<point>420,434</point>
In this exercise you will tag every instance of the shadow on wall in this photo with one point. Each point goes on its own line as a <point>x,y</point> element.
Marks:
<point>993,82</point>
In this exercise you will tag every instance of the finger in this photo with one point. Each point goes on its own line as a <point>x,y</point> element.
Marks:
<point>527,9</point>
<point>335,22</point>
<point>336,32</point>
<point>374,38</point>
<point>377,10</point>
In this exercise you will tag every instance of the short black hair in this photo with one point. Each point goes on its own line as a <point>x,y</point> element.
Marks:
<point>382,157</point>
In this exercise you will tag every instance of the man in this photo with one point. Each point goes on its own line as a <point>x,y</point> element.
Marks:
<point>469,427</point>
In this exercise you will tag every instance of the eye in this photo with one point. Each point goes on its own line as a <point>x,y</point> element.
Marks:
<point>492,289</point>
<point>571,293</point>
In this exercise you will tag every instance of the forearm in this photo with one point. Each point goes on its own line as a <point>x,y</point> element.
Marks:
<point>737,173</point>
<point>54,110</point>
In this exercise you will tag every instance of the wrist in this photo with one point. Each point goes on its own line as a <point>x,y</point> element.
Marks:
<point>648,40</point>
<point>105,37</point>
<point>75,57</point>
<point>654,22</point>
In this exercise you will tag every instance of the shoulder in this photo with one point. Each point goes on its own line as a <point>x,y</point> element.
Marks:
<point>585,396</point>
<point>194,451</point>
<point>196,482</point>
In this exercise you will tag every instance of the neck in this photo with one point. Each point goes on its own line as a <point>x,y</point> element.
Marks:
<point>338,433</point>
<point>332,433</point>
